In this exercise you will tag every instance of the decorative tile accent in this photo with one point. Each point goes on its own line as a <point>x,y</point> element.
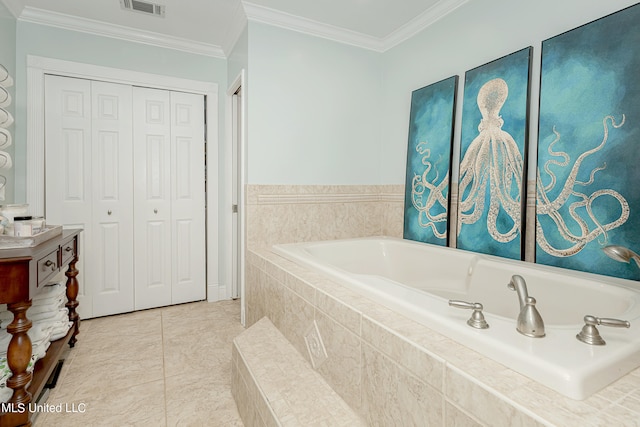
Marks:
<point>315,346</point>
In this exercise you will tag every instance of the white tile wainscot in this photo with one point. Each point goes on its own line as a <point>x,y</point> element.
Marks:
<point>392,370</point>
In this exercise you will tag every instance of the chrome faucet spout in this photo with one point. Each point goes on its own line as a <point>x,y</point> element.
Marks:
<point>529,321</point>
<point>518,284</point>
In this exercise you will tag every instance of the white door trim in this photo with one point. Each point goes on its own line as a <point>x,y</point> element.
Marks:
<point>239,82</point>
<point>38,66</point>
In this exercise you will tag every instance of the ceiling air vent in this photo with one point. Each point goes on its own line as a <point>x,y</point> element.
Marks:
<point>143,7</point>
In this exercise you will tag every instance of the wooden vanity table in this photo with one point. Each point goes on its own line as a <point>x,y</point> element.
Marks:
<point>23,273</point>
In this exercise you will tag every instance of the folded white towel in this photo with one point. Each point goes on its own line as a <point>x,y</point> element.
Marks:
<point>49,291</point>
<point>36,313</point>
<point>55,306</point>
<point>51,316</point>
<point>60,331</point>
<point>51,298</point>
<point>40,331</point>
<point>40,349</point>
<point>56,299</point>
<point>62,315</point>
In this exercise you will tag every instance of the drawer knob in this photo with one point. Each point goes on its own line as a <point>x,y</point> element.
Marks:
<point>68,249</point>
<point>50,264</point>
<point>109,212</point>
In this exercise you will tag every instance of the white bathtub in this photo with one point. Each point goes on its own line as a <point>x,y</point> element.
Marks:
<point>417,280</point>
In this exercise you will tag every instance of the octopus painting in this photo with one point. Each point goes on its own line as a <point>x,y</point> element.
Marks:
<point>492,165</point>
<point>429,162</point>
<point>589,132</point>
<point>492,160</point>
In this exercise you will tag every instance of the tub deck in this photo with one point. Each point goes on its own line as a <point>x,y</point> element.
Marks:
<point>416,280</point>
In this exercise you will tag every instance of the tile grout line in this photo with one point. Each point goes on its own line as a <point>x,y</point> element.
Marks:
<point>164,370</point>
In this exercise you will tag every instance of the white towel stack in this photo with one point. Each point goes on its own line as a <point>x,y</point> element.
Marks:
<point>50,322</point>
<point>48,308</point>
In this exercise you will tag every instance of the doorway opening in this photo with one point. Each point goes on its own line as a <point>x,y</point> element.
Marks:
<point>237,113</point>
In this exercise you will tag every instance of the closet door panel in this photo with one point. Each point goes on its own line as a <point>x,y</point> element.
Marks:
<point>67,174</point>
<point>152,193</point>
<point>188,197</point>
<point>112,168</point>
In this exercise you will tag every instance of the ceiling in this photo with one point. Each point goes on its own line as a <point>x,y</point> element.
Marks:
<point>212,26</point>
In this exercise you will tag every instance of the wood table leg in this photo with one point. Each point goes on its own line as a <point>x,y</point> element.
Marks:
<point>18,357</point>
<point>72,302</point>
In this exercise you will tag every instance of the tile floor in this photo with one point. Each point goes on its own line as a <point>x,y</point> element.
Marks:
<point>162,367</point>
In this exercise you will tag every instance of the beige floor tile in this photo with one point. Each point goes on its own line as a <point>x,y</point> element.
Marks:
<point>201,400</point>
<point>166,366</point>
<point>182,356</point>
<point>89,377</point>
<point>140,405</point>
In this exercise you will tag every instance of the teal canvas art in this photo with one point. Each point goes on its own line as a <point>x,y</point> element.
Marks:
<point>426,206</point>
<point>587,193</point>
<point>493,156</point>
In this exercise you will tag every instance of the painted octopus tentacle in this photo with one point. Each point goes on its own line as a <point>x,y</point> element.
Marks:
<point>570,182</point>
<point>551,208</point>
<point>592,175</point>
<point>547,164</point>
<point>425,194</point>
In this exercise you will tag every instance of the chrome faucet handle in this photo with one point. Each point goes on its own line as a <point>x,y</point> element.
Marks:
<point>590,334</point>
<point>477,318</point>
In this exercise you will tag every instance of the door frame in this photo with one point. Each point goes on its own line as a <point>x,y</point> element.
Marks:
<point>241,178</point>
<point>38,66</point>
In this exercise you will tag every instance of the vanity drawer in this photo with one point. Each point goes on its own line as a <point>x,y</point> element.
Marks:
<point>68,250</point>
<point>47,267</point>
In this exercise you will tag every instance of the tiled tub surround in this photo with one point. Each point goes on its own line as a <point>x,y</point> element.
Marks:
<point>299,213</point>
<point>416,280</point>
<point>392,370</point>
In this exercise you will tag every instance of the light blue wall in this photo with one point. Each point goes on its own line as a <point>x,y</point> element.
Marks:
<point>314,110</point>
<point>474,34</point>
<point>8,60</point>
<point>50,42</point>
<point>322,112</point>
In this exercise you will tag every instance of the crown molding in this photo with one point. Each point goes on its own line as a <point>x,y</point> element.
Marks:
<point>280,19</point>
<point>238,22</point>
<point>245,12</point>
<point>90,26</point>
<point>420,22</point>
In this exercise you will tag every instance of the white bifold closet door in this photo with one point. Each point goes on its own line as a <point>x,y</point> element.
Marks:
<point>169,197</point>
<point>89,171</point>
<point>126,164</point>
